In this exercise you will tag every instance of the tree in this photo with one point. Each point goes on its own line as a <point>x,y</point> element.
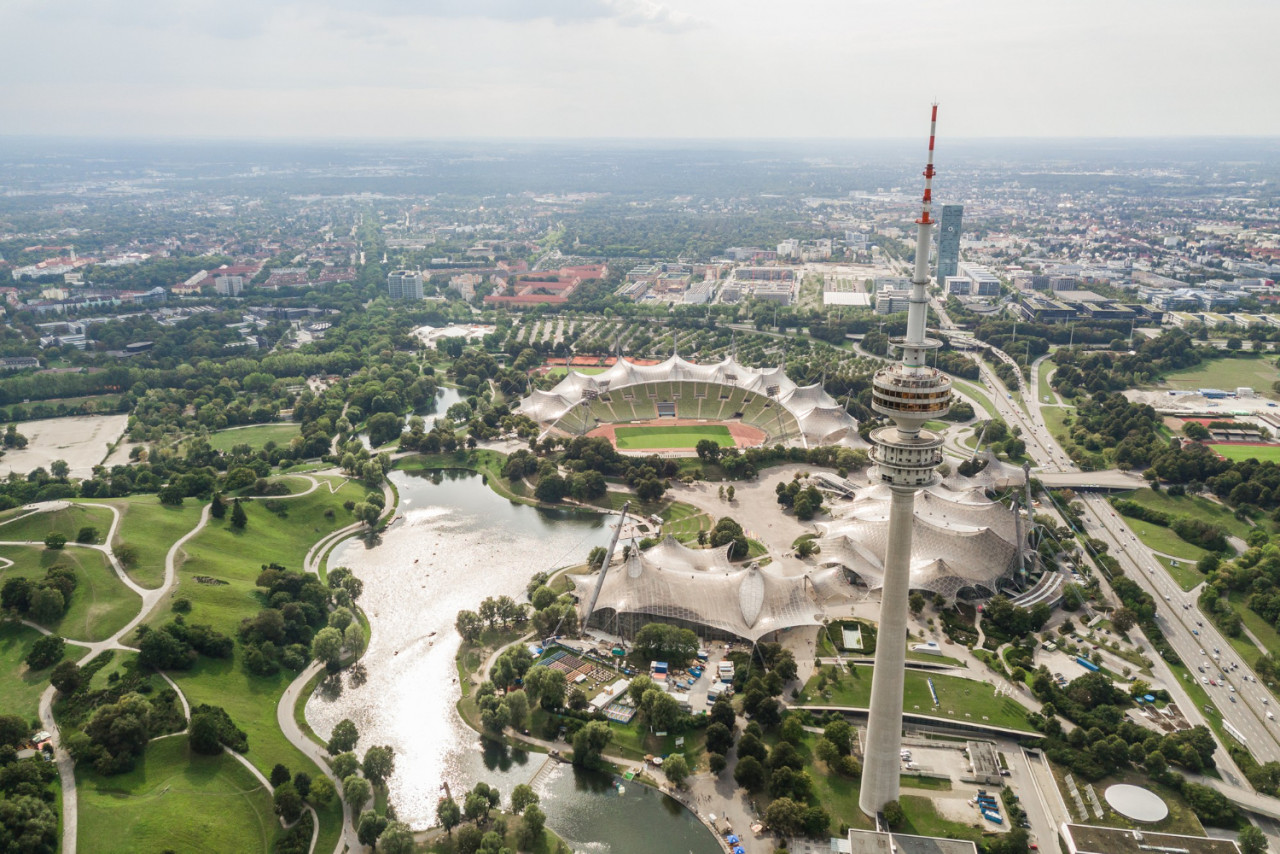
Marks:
<point>280,775</point>
<point>45,652</point>
<point>1123,620</point>
<point>87,535</point>
<point>517,703</point>
<point>785,817</point>
<point>54,540</point>
<point>204,736</point>
<point>916,602</point>
<point>326,646</point>
<point>749,774</point>
<point>66,677</point>
<point>676,767</point>
<point>288,802</point>
<point>47,605</point>
<point>322,792</point>
<point>531,827</point>
<point>218,507</point>
<point>356,791</point>
<point>379,763</point>
<point>522,796</point>
<point>1252,840</point>
<point>344,765</point>
<point>893,815</point>
<point>553,690</point>
<point>238,517</point>
<point>370,827</point>
<point>719,738</point>
<point>589,742</point>
<point>344,737</point>
<point>448,814</point>
<point>397,838</point>
<point>469,624</point>
<point>29,822</point>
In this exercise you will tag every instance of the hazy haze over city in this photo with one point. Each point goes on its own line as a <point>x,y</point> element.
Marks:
<point>393,69</point>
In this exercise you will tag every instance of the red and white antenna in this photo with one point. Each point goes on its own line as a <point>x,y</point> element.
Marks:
<point>929,173</point>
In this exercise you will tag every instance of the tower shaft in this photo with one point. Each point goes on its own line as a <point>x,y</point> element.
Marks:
<point>906,456</point>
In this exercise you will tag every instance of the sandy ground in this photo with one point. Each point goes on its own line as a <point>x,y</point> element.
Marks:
<point>744,435</point>
<point>81,440</point>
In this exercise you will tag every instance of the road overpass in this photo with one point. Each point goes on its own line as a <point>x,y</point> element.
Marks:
<point>1112,479</point>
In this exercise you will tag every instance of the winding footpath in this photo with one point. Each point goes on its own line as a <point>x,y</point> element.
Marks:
<point>151,598</point>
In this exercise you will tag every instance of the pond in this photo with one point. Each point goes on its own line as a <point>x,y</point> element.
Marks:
<point>457,543</point>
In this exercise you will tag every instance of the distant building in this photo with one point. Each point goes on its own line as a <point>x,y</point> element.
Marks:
<point>18,363</point>
<point>949,240</point>
<point>958,285</point>
<point>890,301</point>
<point>404,284</point>
<point>228,286</point>
<point>985,283</point>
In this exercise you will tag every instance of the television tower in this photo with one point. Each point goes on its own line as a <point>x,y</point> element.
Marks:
<point>910,392</point>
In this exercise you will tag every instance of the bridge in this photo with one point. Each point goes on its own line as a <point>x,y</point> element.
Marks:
<point>1107,481</point>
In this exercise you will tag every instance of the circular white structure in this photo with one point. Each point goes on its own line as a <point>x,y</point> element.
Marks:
<point>1136,803</point>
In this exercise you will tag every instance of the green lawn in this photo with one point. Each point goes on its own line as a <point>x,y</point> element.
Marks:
<point>1164,540</point>
<point>643,438</point>
<point>978,394</point>
<point>1261,453</point>
<point>1042,377</point>
<point>922,819</point>
<point>151,528</point>
<point>255,437</point>
<point>101,604</point>
<point>959,698</point>
<point>236,558</point>
<point>1256,371</point>
<point>1261,629</point>
<point>175,800</point>
<point>67,521</point>
<point>1193,506</point>
<point>1055,418</point>
<point>22,688</point>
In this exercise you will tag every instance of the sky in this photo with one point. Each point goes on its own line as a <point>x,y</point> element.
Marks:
<point>635,69</point>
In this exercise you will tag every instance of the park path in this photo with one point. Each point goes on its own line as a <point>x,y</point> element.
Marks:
<point>151,597</point>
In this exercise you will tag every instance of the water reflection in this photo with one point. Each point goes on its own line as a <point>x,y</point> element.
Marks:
<point>455,544</point>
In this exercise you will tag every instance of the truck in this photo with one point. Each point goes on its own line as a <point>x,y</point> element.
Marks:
<point>1086,664</point>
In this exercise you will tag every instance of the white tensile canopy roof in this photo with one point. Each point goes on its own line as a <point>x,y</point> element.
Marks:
<point>820,417</point>
<point>959,539</point>
<point>701,586</point>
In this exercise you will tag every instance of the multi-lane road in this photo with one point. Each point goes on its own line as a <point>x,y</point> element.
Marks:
<point>1186,629</point>
<point>1243,702</point>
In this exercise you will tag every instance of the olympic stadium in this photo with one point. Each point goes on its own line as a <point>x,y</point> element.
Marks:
<point>755,406</point>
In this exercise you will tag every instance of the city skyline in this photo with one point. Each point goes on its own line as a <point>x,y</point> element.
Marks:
<point>610,69</point>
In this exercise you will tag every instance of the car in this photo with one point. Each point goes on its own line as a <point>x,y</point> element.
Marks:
<point>1204,679</point>
<point>1195,631</point>
<point>1202,652</point>
<point>1198,623</point>
<point>1233,699</point>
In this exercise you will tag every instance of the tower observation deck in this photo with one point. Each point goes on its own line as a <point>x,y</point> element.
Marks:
<point>906,456</point>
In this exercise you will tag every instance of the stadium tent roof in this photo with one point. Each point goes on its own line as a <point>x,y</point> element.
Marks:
<point>700,586</point>
<point>960,539</point>
<point>820,417</point>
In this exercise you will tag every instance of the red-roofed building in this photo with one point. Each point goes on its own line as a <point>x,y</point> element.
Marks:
<point>547,288</point>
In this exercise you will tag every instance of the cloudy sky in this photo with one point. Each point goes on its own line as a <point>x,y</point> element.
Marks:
<point>394,69</point>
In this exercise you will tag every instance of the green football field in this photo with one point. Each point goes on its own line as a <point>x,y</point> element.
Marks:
<point>643,438</point>
<point>1261,453</point>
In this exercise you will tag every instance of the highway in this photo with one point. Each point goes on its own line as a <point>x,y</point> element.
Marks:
<point>1195,639</point>
<point>1177,615</point>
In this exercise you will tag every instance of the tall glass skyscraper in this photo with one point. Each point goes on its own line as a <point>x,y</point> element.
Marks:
<point>949,241</point>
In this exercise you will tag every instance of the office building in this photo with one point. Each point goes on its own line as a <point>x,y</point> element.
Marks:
<point>404,284</point>
<point>949,240</point>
